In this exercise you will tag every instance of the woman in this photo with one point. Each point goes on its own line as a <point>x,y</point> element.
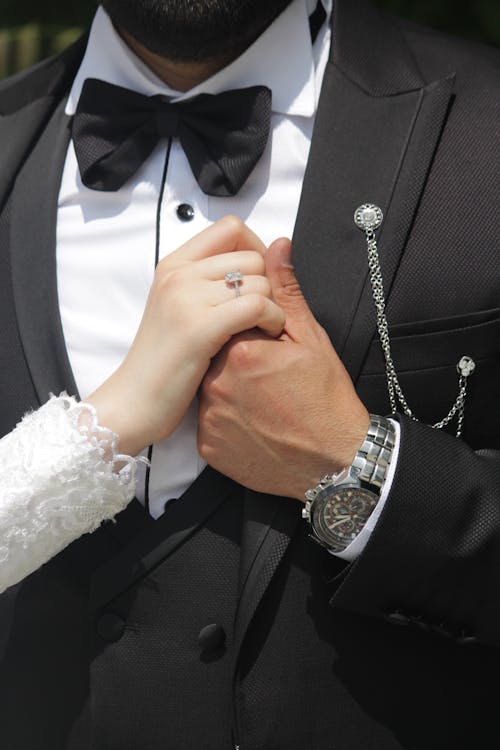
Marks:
<point>68,466</point>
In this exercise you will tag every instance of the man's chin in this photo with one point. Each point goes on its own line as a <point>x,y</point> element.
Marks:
<point>187,33</point>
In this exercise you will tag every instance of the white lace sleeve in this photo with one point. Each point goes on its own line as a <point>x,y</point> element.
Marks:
<point>58,480</point>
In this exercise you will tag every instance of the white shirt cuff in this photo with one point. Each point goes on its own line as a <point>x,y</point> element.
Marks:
<point>356,547</point>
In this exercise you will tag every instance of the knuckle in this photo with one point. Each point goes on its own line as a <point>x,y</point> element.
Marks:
<point>233,223</point>
<point>211,388</point>
<point>240,353</point>
<point>203,446</point>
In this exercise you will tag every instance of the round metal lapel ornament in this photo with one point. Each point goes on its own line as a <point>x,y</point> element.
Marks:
<point>368,216</point>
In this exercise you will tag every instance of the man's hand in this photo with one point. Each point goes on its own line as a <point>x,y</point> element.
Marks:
<point>278,414</point>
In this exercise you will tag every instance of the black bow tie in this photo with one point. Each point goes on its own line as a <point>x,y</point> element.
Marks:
<point>223,136</point>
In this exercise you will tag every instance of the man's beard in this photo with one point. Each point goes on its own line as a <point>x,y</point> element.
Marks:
<point>194,30</point>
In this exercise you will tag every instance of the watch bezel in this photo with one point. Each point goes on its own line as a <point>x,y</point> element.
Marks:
<point>321,532</point>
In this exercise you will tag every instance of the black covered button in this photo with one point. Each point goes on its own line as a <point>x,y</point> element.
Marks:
<point>185,212</point>
<point>211,638</point>
<point>110,627</point>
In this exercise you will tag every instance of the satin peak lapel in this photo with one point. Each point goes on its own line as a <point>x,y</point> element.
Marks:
<point>27,102</point>
<point>33,258</point>
<point>32,121</point>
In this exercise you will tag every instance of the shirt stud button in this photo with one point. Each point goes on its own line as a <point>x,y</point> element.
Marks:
<point>185,212</point>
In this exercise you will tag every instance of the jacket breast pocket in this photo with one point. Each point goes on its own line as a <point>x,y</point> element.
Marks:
<point>425,355</point>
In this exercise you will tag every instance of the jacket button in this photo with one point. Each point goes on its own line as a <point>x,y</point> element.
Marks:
<point>185,212</point>
<point>398,618</point>
<point>211,638</point>
<point>110,627</point>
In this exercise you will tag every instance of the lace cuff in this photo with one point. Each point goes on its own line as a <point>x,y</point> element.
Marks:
<point>58,480</point>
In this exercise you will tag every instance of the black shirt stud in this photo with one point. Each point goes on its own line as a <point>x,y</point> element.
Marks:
<point>185,212</point>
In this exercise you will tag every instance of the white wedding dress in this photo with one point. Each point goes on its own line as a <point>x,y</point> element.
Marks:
<point>59,479</point>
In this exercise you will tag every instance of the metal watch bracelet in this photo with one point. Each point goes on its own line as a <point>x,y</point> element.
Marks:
<point>374,456</point>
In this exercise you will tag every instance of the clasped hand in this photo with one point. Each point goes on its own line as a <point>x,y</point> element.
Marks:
<point>277,414</point>
<point>191,312</point>
<point>277,410</point>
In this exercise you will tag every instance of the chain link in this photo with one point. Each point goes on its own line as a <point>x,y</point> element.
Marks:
<point>465,366</point>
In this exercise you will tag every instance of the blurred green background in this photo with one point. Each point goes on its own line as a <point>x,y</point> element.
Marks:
<point>33,29</point>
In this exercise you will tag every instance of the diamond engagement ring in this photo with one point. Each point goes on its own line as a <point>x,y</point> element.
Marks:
<point>234,278</point>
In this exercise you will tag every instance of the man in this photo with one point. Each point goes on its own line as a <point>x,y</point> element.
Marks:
<point>222,623</point>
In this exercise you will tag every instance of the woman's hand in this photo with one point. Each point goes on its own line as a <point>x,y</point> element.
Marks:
<point>190,315</point>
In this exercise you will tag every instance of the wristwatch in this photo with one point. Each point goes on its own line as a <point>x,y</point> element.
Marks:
<point>340,505</point>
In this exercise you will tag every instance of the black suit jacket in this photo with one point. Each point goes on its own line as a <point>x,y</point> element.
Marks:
<point>107,647</point>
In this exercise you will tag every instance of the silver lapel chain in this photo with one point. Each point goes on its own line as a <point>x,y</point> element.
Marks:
<point>368,218</point>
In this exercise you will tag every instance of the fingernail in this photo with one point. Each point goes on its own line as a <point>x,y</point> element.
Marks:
<point>286,254</point>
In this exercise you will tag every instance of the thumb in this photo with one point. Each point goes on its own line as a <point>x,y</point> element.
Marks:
<point>285,287</point>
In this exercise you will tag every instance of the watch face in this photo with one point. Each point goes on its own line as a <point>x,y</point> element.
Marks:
<point>339,514</point>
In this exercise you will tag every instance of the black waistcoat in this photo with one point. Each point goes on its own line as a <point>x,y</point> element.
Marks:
<point>162,651</point>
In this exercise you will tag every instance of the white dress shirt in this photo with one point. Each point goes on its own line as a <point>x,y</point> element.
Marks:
<point>106,241</point>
